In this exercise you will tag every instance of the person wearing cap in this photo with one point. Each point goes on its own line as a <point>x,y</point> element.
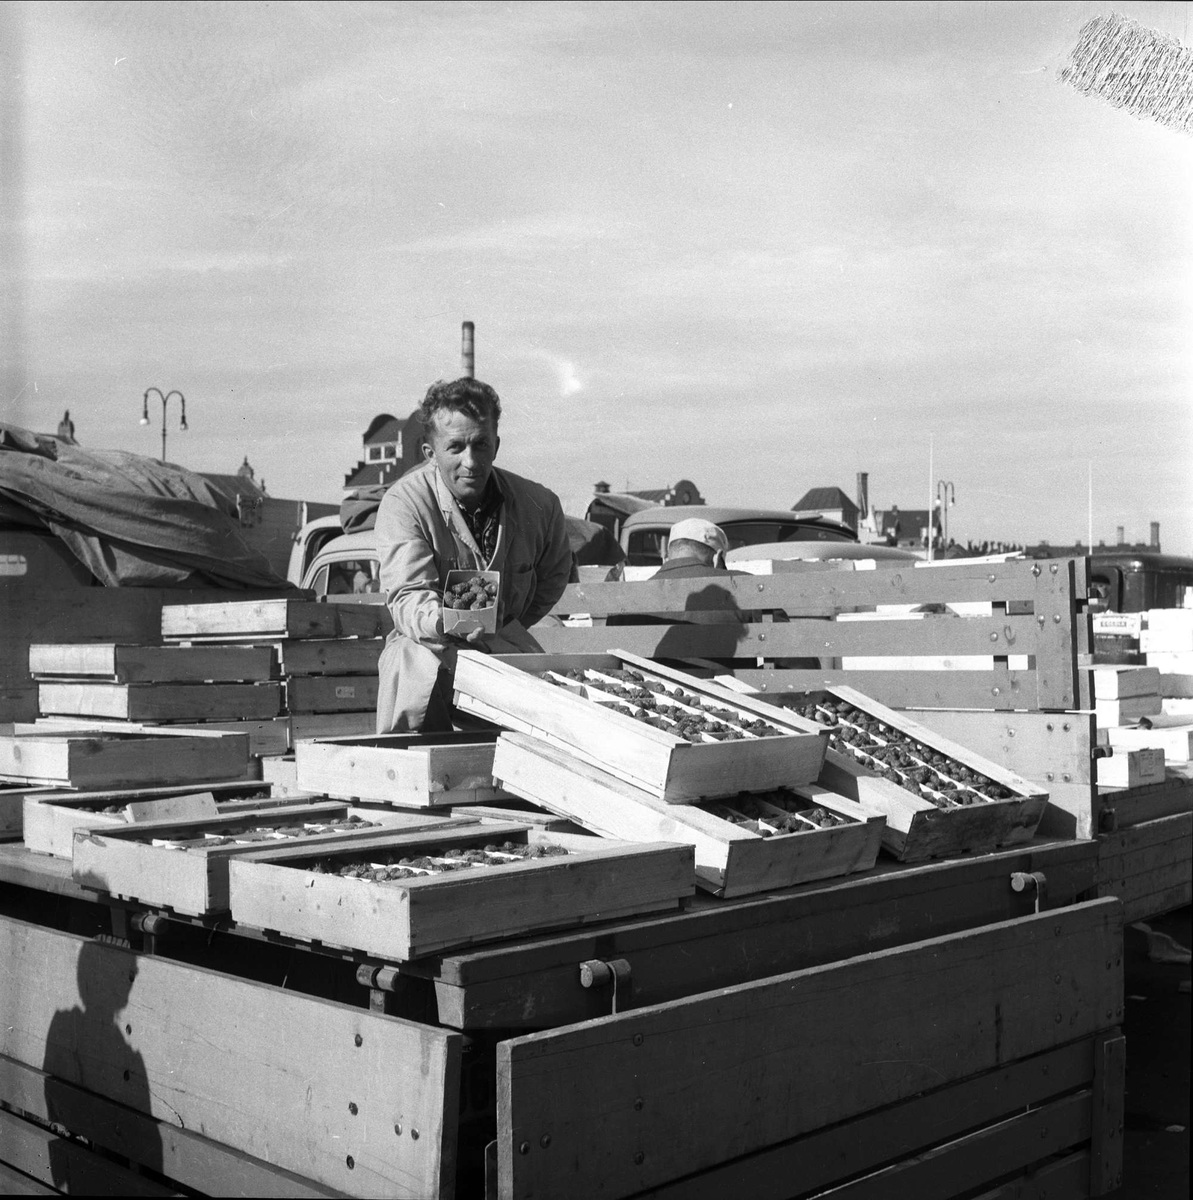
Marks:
<point>457,511</point>
<point>695,548</point>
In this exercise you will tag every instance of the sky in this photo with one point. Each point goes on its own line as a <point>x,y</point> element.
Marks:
<point>759,246</point>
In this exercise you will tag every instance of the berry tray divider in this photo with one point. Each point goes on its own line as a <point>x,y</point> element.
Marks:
<point>122,861</point>
<point>402,919</point>
<point>916,828</point>
<point>657,760</point>
<point>730,860</point>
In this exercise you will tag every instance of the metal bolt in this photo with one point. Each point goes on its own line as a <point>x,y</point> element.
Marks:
<point>1056,979</point>
<point>352,1107</point>
<point>997,691</point>
<point>414,1135</point>
<point>1049,726</point>
<point>1049,776</point>
<point>1036,571</point>
<point>350,1161</point>
<point>1109,1015</point>
<point>994,637</point>
<point>1060,1018</point>
<point>639,1158</point>
<point>762,587</point>
<point>1108,964</point>
<point>990,577</point>
<point>1066,727</point>
<point>762,637</point>
<point>524,1148</point>
<point>131,976</point>
<point>637,1039</point>
<point>359,1040</point>
<point>1010,733</point>
<point>128,1029</point>
<point>127,1076</point>
<point>1040,620</point>
<point>398,1129</point>
<point>1054,568</point>
<point>638,1104</point>
<point>1067,777</point>
<point>1044,1132</point>
<point>1056,930</point>
<point>1056,618</point>
<point>545,1140</point>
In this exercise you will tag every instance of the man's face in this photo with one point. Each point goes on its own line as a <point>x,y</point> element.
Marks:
<point>463,449</point>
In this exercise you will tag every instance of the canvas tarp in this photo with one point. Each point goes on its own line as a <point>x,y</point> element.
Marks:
<point>132,521</point>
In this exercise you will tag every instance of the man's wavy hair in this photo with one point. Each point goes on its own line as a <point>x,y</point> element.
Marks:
<point>478,400</point>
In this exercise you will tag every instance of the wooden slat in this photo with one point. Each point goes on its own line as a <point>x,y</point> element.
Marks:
<point>335,656</point>
<point>152,664</point>
<point>265,1071</point>
<point>162,702</point>
<point>331,693</point>
<point>179,1154</point>
<point>1109,1102</point>
<point>890,1134</point>
<point>996,689</point>
<point>836,1041</point>
<point>68,1166</point>
<point>934,636</point>
<point>1066,1178</point>
<point>264,619</point>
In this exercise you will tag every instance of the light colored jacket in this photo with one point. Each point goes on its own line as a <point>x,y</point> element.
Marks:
<point>421,535</point>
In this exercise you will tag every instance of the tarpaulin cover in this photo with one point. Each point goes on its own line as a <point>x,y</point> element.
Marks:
<point>132,521</point>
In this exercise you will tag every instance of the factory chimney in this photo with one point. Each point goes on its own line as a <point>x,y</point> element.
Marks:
<point>863,495</point>
<point>467,350</point>
<point>1120,535</point>
<point>1155,535</point>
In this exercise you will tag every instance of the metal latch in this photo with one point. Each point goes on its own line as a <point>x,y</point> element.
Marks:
<point>1022,880</point>
<point>595,973</point>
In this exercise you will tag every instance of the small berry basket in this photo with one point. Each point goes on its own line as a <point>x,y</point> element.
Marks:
<point>470,601</point>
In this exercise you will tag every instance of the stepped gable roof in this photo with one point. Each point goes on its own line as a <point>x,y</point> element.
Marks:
<point>383,428</point>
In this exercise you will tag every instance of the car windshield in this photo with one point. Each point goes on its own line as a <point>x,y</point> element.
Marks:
<point>755,533</point>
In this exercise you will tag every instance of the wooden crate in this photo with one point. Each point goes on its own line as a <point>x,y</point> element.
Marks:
<point>657,760</point>
<point>1146,865</point>
<point>151,664</point>
<point>12,806</point>
<point>50,818</point>
<point>731,858</point>
<point>331,693</point>
<point>1176,741</point>
<point>124,861</point>
<point>918,828</point>
<point>161,702</point>
<point>1131,768</point>
<point>409,770</point>
<point>265,620</point>
<point>101,758</point>
<point>407,918</point>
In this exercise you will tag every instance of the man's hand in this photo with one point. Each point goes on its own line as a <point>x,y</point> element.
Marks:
<point>472,638</point>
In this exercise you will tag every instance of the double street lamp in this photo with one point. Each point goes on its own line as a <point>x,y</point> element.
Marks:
<point>164,399</point>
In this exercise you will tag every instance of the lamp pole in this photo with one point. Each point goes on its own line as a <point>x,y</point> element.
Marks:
<point>946,495</point>
<point>164,399</point>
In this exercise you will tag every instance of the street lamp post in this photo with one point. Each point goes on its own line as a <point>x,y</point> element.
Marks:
<point>946,497</point>
<point>145,412</point>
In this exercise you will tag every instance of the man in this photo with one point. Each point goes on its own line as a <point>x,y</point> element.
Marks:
<point>695,547</point>
<point>458,512</point>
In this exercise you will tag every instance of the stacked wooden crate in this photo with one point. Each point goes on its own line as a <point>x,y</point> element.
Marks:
<point>276,670</point>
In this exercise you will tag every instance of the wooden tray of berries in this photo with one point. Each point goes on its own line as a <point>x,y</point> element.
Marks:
<point>410,770</point>
<point>51,818</point>
<point>743,844</point>
<point>939,798</point>
<point>183,864</point>
<point>680,738</point>
<point>406,895</point>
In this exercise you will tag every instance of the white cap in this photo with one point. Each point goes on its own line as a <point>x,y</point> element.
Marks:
<point>704,532</point>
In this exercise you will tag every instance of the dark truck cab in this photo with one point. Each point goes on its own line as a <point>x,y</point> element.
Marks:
<point>1138,580</point>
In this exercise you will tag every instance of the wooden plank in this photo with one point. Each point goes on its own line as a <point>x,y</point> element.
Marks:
<point>1131,769</point>
<point>108,759</point>
<point>266,1071</point>
<point>1120,683</point>
<point>822,592</point>
<point>413,771</point>
<point>179,1154</point>
<point>891,1134</point>
<point>16,1183</point>
<point>331,693</point>
<point>1177,742</point>
<point>151,664</point>
<point>408,918</point>
<point>333,656</point>
<point>261,620</point>
<point>888,1026</point>
<point>1108,1111</point>
<point>943,635</point>
<point>999,688</point>
<point>655,759</point>
<point>304,726</point>
<point>68,1166</point>
<point>267,737</point>
<point>162,702</point>
<point>729,860</point>
<point>12,807</point>
<point>1148,803</point>
<point>1067,1178</point>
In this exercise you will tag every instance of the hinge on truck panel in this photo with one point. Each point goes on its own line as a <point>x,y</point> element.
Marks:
<point>1022,880</point>
<point>595,973</point>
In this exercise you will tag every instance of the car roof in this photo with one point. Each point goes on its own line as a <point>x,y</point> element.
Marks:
<point>366,539</point>
<point>797,549</point>
<point>669,515</point>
